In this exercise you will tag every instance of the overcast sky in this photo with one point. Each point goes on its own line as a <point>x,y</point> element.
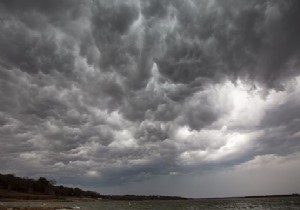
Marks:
<point>195,98</point>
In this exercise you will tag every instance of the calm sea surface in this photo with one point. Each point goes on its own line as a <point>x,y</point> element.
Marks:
<point>228,204</point>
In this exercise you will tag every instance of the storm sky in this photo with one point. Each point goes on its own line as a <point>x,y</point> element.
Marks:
<point>196,98</point>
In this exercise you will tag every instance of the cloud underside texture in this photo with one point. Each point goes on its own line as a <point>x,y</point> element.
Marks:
<point>117,91</point>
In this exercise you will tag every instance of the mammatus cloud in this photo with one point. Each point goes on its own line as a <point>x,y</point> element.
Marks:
<point>128,93</point>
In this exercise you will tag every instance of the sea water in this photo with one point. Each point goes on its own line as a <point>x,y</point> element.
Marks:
<point>285,203</point>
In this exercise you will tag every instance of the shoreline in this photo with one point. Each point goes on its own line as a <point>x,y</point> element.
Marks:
<point>34,208</point>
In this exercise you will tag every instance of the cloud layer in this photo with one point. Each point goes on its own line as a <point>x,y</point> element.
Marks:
<point>112,92</point>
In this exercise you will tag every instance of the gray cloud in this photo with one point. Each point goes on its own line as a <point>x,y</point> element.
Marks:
<point>256,40</point>
<point>118,92</point>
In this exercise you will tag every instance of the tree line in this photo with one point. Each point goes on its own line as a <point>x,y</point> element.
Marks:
<point>41,186</point>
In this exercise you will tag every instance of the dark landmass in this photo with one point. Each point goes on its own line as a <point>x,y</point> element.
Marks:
<point>255,196</point>
<point>141,197</point>
<point>32,208</point>
<point>273,196</point>
<point>13,187</point>
<point>18,188</point>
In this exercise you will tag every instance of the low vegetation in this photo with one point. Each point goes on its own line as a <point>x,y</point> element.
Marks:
<point>17,188</point>
<point>12,186</point>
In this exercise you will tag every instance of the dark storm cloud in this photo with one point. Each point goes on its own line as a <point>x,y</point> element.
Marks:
<point>255,39</point>
<point>115,91</point>
<point>30,26</point>
<point>48,7</point>
<point>151,131</point>
<point>282,128</point>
